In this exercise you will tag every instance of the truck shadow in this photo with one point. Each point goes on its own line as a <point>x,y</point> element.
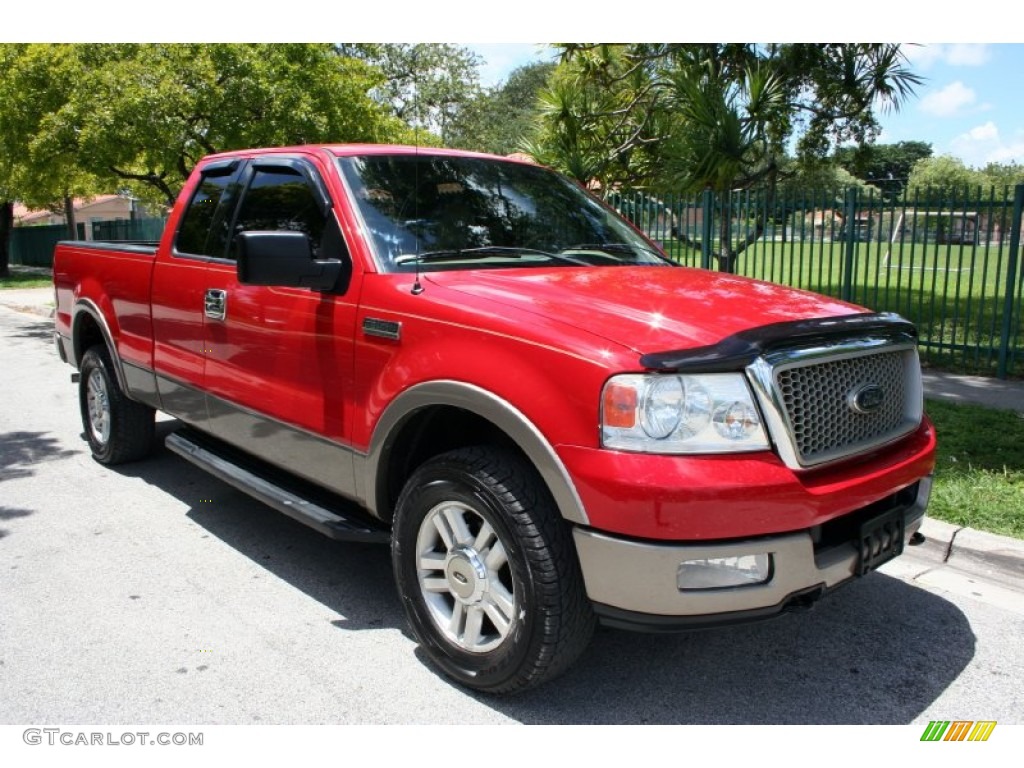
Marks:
<point>876,651</point>
<point>351,579</point>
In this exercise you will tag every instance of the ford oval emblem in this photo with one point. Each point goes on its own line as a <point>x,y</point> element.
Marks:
<point>866,399</point>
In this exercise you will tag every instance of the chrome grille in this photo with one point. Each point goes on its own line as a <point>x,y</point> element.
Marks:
<point>829,403</point>
<point>817,401</point>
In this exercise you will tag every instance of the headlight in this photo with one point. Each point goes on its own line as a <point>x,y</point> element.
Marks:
<point>709,413</point>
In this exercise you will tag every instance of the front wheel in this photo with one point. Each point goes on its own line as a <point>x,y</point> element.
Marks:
<point>487,571</point>
<point>118,429</point>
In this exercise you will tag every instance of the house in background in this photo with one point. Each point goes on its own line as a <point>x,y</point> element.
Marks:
<point>87,212</point>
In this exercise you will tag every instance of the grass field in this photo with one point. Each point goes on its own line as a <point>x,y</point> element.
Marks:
<point>955,294</point>
<point>979,478</point>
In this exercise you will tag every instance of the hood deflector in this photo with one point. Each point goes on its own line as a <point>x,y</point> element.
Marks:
<point>736,352</point>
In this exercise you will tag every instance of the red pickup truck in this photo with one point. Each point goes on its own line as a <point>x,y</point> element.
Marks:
<point>471,358</point>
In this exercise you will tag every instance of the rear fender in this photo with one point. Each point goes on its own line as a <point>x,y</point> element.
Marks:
<point>83,309</point>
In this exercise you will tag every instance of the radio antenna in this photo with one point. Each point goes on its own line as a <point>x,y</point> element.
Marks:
<point>417,286</point>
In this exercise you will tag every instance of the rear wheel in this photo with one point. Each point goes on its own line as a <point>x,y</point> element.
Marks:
<point>487,571</point>
<point>118,429</point>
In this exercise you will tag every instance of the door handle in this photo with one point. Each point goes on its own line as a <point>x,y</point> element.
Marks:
<point>215,303</point>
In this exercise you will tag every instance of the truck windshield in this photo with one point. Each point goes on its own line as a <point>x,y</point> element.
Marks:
<point>449,212</point>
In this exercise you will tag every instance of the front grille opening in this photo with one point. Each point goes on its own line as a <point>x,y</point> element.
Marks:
<point>823,413</point>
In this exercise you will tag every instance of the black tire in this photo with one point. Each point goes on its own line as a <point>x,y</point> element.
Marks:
<point>494,626</point>
<point>118,429</point>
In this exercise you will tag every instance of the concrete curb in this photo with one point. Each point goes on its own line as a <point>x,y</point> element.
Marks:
<point>34,301</point>
<point>995,558</point>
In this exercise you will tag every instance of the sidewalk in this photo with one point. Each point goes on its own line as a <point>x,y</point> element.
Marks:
<point>37,301</point>
<point>985,554</point>
<point>976,390</point>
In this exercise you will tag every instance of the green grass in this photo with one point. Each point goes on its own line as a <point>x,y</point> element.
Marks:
<point>954,294</point>
<point>25,280</point>
<point>979,478</point>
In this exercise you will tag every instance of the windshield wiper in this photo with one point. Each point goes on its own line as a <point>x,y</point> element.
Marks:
<point>612,248</point>
<point>481,252</point>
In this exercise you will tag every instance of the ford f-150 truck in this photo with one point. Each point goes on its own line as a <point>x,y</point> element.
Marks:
<point>473,359</point>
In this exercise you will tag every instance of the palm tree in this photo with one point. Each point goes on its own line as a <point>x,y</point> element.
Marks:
<point>722,143</point>
<point>712,117</point>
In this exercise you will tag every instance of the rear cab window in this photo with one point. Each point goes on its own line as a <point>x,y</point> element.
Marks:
<point>204,226</point>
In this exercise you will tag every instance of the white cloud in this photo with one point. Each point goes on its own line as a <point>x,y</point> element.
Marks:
<point>924,57</point>
<point>968,54</point>
<point>985,132</point>
<point>983,144</point>
<point>948,101</point>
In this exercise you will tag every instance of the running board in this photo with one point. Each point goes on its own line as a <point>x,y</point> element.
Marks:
<point>330,522</point>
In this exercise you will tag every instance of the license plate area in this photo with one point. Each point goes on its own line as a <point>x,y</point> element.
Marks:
<point>880,540</point>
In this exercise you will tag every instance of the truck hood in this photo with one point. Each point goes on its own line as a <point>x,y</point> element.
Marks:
<point>646,309</point>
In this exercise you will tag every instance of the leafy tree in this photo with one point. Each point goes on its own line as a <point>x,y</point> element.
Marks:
<point>886,166</point>
<point>1003,175</point>
<point>601,115</point>
<point>500,119</point>
<point>933,177</point>
<point>426,85</point>
<point>712,116</point>
<point>36,82</point>
<point>143,115</point>
<point>83,118</point>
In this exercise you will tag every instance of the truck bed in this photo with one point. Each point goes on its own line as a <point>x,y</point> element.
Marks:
<point>113,280</point>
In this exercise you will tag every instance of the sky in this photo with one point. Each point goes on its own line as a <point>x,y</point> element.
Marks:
<point>971,104</point>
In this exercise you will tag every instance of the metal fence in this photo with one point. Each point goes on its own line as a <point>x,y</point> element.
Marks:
<point>33,246</point>
<point>948,260</point>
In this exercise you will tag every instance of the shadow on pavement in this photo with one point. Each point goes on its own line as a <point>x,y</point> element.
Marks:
<point>352,580</point>
<point>39,330</point>
<point>20,450</point>
<point>7,513</point>
<point>876,651</point>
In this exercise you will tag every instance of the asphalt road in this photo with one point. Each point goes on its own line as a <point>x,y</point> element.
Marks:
<point>154,593</point>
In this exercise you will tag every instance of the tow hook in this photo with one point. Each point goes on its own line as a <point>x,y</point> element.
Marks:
<point>804,601</point>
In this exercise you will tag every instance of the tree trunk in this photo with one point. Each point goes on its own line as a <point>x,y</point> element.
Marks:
<point>69,217</point>
<point>726,257</point>
<point>6,224</point>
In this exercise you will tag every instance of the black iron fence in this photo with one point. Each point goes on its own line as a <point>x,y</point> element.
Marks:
<point>948,260</point>
<point>33,246</point>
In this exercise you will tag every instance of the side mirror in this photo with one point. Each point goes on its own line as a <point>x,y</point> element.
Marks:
<point>283,259</point>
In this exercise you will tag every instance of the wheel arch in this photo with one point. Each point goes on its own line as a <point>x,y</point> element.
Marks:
<point>88,328</point>
<point>399,445</point>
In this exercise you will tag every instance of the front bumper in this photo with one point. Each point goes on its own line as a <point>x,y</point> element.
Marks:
<point>633,583</point>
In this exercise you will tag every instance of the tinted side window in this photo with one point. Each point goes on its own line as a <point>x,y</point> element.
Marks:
<point>204,227</point>
<point>280,199</point>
